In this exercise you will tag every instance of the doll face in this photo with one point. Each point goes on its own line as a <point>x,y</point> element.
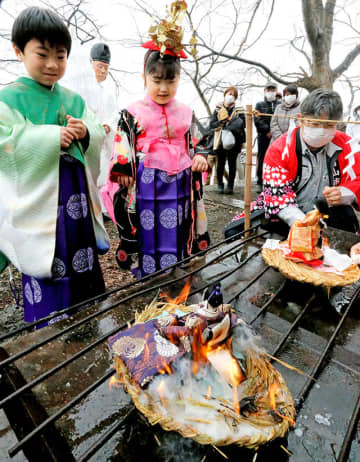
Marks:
<point>45,64</point>
<point>160,90</point>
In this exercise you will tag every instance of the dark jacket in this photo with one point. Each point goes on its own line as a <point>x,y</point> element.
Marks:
<point>262,123</point>
<point>236,125</point>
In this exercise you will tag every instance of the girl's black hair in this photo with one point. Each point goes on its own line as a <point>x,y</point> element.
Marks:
<point>41,24</point>
<point>166,67</point>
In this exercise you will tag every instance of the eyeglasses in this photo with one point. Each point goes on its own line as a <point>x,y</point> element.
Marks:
<point>315,124</point>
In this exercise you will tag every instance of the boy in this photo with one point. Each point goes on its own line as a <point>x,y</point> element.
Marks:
<point>51,226</point>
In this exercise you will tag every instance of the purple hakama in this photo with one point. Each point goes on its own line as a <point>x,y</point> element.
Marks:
<point>164,210</point>
<point>76,272</point>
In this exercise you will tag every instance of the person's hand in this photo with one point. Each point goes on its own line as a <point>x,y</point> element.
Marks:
<point>355,253</point>
<point>222,114</point>
<point>106,128</point>
<point>125,180</point>
<point>78,126</point>
<point>66,137</point>
<point>269,135</point>
<point>332,195</point>
<point>199,164</point>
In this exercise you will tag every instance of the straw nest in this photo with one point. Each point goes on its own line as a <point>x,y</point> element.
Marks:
<point>259,428</point>
<point>305,273</point>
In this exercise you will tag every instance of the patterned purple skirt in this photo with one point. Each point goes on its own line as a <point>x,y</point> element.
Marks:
<point>163,204</point>
<point>76,273</point>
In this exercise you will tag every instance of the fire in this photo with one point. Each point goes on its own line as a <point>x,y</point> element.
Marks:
<point>161,390</point>
<point>182,297</point>
<point>208,393</point>
<point>114,383</point>
<point>273,389</point>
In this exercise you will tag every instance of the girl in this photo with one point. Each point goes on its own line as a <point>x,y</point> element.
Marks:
<point>154,191</point>
<point>50,218</point>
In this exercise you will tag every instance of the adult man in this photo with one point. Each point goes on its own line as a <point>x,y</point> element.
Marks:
<point>262,124</point>
<point>106,108</point>
<point>314,161</point>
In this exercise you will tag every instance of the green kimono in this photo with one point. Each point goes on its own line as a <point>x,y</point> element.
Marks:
<point>30,119</point>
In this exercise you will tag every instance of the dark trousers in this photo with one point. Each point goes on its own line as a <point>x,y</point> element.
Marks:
<point>263,144</point>
<point>230,157</point>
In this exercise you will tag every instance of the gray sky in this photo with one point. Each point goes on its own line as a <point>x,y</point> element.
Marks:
<point>122,24</point>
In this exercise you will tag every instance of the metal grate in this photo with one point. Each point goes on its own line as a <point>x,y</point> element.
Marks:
<point>237,263</point>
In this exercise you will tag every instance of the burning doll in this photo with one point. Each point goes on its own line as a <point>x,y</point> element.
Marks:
<point>202,374</point>
<point>150,348</point>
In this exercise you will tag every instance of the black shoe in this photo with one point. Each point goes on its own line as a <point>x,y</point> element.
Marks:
<point>220,189</point>
<point>229,190</point>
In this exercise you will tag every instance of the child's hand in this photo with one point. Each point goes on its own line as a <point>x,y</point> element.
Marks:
<point>125,180</point>
<point>78,126</point>
<point>66,137</point>
<point>199,164</point>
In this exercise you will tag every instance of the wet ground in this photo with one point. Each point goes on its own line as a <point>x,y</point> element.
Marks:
<point>321,423</point>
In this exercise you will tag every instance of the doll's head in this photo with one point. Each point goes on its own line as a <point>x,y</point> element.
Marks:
<point>42,42</point>
<point>161,75</point>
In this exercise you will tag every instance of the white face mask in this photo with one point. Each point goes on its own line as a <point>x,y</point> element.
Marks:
<point>229,98</point>
<point>270,95</point>
<point>317,137</point>
<point>290,99</point>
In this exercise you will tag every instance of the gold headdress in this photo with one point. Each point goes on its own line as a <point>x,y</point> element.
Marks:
<point>166,36</point>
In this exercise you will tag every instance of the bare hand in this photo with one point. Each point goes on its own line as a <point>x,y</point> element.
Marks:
<point>78,126</point>
<point>125,180</point>
<point>269,135</point>
<point>106,128</point>
<point>199,164</point>
<point>332,195</point>
<point>355,253</point>
<point>66,137</point>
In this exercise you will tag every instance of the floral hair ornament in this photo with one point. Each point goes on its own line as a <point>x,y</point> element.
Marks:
<point>166,36</point>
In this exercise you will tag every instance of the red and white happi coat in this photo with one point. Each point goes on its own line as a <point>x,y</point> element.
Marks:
<point>281,165</point>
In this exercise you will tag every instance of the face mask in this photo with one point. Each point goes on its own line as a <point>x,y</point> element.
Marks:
<point>270,95</point>
<point>318,137</point>
<point>229,99</point>
<point>290,99</point>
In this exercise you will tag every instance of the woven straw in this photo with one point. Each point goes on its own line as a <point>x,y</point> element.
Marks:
<point>305,273</point>
<point>261,374</point>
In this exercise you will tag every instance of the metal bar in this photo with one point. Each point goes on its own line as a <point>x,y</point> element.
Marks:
<point>253,280</point>
<point>316,369</point>
<point>92,345</point>
<point>226,275</point>
<point>17,447</point>
<point>125,286</point>
<point>293,325</point>
<point>267,304</point>
<point>346,446</point>
<point>93,449</point>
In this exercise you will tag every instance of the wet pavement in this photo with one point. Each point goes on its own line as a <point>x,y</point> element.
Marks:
<point>321,422</point>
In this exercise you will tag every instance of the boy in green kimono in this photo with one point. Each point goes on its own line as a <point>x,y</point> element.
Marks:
<point>51,224</point>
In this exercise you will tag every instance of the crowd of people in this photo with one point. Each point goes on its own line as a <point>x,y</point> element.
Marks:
<point>67,159</point>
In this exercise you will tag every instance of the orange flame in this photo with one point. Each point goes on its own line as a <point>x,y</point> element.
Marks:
<point>114,383</point>
<point>272,396</point>
<point>208,393</point>
<point>161,390</point>
<point>182,297</point>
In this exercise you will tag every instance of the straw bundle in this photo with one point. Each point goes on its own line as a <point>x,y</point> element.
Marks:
<point>251,431</point>
<point>305,273</point>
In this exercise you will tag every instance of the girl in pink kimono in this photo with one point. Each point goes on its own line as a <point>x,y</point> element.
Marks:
<point>154,190</point>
